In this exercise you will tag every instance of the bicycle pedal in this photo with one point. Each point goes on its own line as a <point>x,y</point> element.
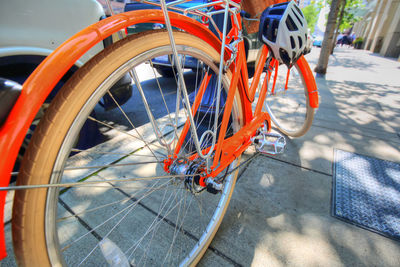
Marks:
<point>269,143</point>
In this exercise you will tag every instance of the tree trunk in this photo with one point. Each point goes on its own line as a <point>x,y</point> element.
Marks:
<point>343,5</point>
<point>328,37</point>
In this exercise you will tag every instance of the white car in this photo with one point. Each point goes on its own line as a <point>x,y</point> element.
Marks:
<point>31,30</point>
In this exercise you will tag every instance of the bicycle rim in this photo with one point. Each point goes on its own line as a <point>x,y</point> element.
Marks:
<point>287,101</point>
<point>156,218</point>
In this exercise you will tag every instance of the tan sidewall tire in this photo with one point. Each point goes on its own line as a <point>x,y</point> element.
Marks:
<point>28,223</point>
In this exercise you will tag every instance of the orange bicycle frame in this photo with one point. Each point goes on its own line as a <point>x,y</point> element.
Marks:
<point>227,150</point>
<point>42,81</point>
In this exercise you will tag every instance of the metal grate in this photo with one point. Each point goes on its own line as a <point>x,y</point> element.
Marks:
<point>366,193</point>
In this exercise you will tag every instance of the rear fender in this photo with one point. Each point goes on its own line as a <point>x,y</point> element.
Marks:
<point>309,81</point>
<point>41,82</point>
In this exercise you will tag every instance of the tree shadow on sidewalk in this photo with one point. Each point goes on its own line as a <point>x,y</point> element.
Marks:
<point>280,210</point>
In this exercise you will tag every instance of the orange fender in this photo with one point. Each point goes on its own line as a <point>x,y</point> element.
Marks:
<point>310,82</point>
<point>42,81</point>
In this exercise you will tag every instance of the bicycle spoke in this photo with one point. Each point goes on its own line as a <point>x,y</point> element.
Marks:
<point>126,189</point>
<point>88,183</point>
<point>163,98</point>
<point>149,112</point>
<point>127,133</point>
<point>109,219</point>
<point>130,122</point>
<point>177,229</point>
<point>112,153</point>
<point>158,219</point>
<point>111,165</point>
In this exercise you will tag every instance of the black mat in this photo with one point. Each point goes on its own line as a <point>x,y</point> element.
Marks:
<point>366,193</point>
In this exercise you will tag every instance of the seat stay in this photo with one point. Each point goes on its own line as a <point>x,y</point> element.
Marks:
<point>195,107</point>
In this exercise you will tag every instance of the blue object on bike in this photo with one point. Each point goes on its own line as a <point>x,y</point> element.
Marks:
<point>209,101</point>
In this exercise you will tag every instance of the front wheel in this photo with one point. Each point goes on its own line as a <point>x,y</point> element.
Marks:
<point>287,101</point>
<point>139,214</point>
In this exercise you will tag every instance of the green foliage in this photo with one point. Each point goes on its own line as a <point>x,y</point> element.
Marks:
<point>311,14</point>
<point>359,40</point>
<point>350,15</point>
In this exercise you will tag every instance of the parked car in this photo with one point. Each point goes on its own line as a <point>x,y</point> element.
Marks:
<point>318,40</point>
<point>31,30</point>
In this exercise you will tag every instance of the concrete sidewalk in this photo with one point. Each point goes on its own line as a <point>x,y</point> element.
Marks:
<point>280,212</point>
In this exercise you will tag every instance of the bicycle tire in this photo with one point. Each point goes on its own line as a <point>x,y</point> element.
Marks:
<point>289,109</point>
<point>35,223</point>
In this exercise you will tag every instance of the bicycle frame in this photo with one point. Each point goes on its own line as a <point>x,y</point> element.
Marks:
<point>41,82</point>
<point>227,150</point>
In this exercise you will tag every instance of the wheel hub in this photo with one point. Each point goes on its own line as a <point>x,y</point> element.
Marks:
<point>192,171</point>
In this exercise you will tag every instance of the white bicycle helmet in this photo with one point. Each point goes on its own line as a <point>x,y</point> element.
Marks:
<point>283,29</point>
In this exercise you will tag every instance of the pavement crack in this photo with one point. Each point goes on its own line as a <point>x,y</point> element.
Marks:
<point>225,257</point>
<point>246,163</point>
<point>80,220</point>
<point>180,228</point>
<point>297,165</point>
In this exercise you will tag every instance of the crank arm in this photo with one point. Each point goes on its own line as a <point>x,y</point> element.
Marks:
<point>234,146</point>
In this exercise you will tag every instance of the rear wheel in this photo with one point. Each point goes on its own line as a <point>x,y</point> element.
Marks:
<point>140,214</point>
<point>287,100</point>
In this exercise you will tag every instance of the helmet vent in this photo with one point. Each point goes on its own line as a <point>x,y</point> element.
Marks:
<point>273,32</point>
<point>277,11</point>
<point>284,56</point>
<point>292,42</point>
<point>298,18</point>
<point>298,10</point>
<point>291,25</point>
<point>300,42</point>
<point>265,29</point>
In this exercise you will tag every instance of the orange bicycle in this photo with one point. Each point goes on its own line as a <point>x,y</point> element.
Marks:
<point>155,188</point>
